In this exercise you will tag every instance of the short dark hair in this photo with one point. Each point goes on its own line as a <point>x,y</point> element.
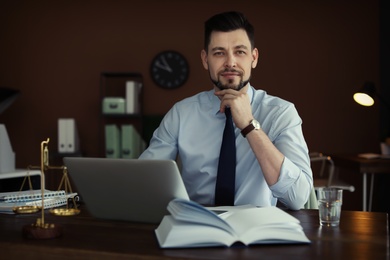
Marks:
<point>226,22</point>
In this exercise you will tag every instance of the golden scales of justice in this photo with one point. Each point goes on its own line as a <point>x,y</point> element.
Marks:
<point>40,229</point>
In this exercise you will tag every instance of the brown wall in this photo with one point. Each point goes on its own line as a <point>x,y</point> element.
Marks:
<point>313,53</point>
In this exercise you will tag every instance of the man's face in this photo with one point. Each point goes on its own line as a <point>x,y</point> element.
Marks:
<point>230,59</point>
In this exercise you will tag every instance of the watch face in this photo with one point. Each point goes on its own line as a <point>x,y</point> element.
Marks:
<point>256,124</point>
<point>169,69</point>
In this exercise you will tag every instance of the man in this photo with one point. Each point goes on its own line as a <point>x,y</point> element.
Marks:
<point>272,161</point>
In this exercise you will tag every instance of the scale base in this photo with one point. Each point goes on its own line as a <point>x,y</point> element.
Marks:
<point>46,231</point>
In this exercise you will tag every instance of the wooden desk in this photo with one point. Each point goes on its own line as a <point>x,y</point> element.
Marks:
<point>365,167</point>
<point>361,235</point>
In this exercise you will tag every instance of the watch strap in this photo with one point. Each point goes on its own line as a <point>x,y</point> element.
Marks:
<point>247,129</point>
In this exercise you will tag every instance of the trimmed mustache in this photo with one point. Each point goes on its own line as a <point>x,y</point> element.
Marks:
<point>231,70</point>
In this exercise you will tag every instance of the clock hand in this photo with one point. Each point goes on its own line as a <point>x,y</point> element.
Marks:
<point>166,64</point>
<point>161,66</point>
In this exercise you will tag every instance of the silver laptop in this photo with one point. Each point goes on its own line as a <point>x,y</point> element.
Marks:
<point>126,189</point>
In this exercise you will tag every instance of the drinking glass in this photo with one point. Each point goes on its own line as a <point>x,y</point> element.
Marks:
<point>329,206</point>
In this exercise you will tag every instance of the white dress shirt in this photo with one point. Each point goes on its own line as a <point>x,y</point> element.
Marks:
<point>192,129</point>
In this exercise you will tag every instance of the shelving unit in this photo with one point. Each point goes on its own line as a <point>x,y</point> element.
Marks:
<point>113,85</point>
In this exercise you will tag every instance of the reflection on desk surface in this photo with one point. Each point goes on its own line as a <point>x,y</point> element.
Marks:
<point>361,235</point>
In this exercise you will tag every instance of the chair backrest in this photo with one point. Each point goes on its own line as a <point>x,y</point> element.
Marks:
<point>324,175</point>
<point>323,168</point>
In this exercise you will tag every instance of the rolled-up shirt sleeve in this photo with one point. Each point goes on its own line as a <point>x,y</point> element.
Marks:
<point>293,187</point>
<point>295,181</point>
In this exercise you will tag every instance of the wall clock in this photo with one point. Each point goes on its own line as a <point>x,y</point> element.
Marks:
<point>169,69</point>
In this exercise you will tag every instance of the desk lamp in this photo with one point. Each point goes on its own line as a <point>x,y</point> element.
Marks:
<point>365,96</point>
<point>7,97</point>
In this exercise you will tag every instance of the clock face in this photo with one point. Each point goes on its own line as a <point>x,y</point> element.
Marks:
<point>169,69</point>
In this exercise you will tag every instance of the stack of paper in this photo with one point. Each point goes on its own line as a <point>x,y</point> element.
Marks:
<point>52,199</point>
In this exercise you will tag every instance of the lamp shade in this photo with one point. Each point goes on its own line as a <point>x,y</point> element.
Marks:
<point>365,96</point>
<point>7,97</point>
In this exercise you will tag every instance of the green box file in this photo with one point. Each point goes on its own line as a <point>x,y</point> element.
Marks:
<point>132,142</point>
<point>113,142</point>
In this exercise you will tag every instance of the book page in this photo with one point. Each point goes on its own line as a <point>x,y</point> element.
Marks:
<point>225,211</point>
<point>178,234</point>
<point>193,213</point>
<point>267,224</point>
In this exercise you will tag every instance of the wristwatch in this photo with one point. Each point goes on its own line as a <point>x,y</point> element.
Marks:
<point>254,125</point>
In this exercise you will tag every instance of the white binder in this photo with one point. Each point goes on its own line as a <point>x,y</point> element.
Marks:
<point>7,155</point>
<point>133,91</point>
<point>68,138</point>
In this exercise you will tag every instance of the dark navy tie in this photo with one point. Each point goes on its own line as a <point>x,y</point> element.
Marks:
<point>226,177</point>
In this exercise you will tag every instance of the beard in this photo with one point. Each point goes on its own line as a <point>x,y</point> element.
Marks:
<point>229,84</point>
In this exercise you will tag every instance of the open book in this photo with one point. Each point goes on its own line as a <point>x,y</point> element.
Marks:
<point>192,225</point>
